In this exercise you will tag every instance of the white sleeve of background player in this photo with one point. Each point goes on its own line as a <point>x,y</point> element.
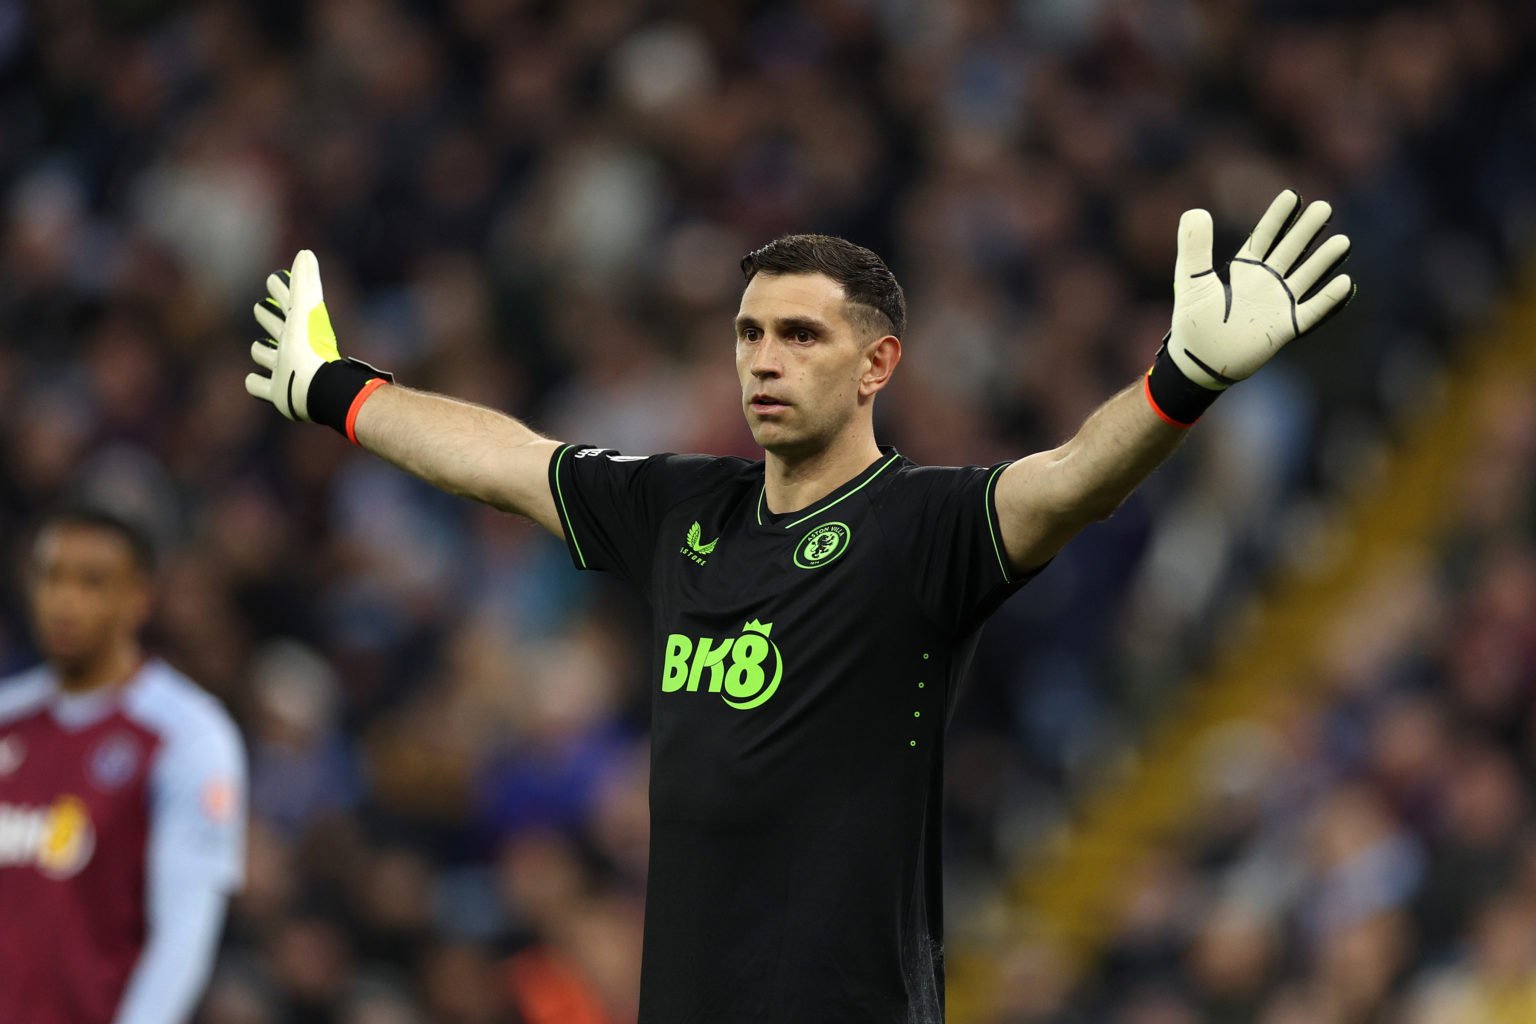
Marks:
<point>184,925</point>
<point>196,858</point>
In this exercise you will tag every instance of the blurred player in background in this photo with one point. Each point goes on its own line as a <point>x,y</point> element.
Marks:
<point>122,794</point>
<point>815,612</point>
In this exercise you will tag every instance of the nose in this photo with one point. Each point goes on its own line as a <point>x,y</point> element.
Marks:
<point>765,360</point>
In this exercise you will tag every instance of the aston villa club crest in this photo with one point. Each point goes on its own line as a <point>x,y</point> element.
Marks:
<point>114,761</point>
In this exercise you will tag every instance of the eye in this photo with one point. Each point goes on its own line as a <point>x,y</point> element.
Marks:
<point>750,334</point>
<point>804,335</point>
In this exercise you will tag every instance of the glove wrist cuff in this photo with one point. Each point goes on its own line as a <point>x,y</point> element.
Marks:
<point>1176,399</point>
<point>338,389</point>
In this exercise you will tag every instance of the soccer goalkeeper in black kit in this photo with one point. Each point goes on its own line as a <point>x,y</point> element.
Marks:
<point>816,610</point>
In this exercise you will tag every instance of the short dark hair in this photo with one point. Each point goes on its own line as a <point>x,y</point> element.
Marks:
<point>140,545</point>
<point>869,284</point>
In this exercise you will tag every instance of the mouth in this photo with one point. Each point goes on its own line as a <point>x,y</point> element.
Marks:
<point>59,638</point>
<point>766,405</point>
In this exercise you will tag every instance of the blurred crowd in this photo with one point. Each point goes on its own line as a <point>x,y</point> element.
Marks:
<point>1371,858</point>
<point>540,206</point>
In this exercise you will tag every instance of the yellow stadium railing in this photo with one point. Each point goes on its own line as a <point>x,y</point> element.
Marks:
<point>1065,896</point>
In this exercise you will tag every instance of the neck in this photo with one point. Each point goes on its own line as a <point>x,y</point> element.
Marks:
<point>113,666</point>
<point>793,482</point>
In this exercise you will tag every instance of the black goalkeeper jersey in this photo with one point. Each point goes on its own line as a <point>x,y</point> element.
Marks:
<point>803,671</point>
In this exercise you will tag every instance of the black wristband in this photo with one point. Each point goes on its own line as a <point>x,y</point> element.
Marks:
<point>335,386</point>
<point>1173,396</point>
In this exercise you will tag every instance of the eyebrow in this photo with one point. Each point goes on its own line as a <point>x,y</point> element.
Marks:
<point>787,325</point>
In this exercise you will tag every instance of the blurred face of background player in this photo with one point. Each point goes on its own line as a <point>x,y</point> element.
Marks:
<point>89,597</point>
<point>810,363</point>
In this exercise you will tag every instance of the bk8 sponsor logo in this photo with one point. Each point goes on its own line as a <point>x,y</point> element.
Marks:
<point>58,839</point>
<point>750,678</point>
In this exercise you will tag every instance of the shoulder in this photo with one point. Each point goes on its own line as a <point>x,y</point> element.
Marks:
<point>676,475</point>
<point>187,718</point>
<point>733,469</point>
<point>915,482</point>
<point>718,468</point>
<point>675,462</point>
<point>689,478</point>
<point>24,693</point>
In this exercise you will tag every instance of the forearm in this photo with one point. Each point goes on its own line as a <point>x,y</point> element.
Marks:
<point>462,448</point>
<point>1111,454</point>
<point>185,920</point>
<point>1045,499</point>
<point>459,447</point>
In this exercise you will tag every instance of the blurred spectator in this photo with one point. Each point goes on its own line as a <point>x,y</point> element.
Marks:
<point>301,767</point>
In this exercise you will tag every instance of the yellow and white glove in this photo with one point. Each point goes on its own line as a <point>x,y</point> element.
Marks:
<point>1278,287</point>
<point>307,378</point>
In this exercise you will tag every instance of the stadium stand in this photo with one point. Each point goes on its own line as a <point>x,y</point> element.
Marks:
<point>1305,794</point>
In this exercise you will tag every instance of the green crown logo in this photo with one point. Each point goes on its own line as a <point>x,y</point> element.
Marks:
<point>761,628</point>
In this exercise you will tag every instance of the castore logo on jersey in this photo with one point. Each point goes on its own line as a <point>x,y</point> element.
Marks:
<point>694,548</point>
<point>746,684</point>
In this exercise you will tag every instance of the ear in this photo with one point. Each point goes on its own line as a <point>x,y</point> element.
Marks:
<point>881,357</point>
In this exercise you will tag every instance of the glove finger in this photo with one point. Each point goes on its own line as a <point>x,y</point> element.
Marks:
<point>1194,257</point>
<point>270,322</point>
<point>304,284</point>
<point>278,289</point>
<point>1329,300</point>
<point>1271,226</point>
<point>1323,262</point>
<point>1282,258</point>
<point>259,386</point>
<point>265,354</point>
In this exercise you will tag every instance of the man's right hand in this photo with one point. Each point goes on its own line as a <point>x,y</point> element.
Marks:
<point>306,378</point>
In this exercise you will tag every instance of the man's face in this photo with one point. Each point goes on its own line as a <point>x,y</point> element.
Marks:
<point>87,593</point>
<point>800,361</point>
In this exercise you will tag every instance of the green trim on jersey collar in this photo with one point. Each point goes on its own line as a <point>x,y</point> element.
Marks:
<point>835,501</point>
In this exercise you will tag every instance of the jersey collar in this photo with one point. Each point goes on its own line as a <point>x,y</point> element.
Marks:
<point>889,456</point>
<point>77,711</point>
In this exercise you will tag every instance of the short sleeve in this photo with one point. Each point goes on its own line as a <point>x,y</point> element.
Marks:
<point>198,805</point>
<point>947,530</point>
<point>611,505</point>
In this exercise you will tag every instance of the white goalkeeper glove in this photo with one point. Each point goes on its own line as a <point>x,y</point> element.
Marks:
<point>1278,287</point>
<point>307,377</point>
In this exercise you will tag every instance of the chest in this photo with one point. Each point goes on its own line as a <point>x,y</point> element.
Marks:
<point>806,618</point>
<point>65,793</point>
<point>717,565</point>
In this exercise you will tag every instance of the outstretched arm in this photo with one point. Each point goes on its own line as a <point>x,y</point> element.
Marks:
<point>1278,287</point>
<point>460,447</point>
<point>463,448</point>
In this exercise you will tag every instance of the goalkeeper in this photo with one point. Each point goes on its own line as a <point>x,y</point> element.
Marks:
<point>815,611</point>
